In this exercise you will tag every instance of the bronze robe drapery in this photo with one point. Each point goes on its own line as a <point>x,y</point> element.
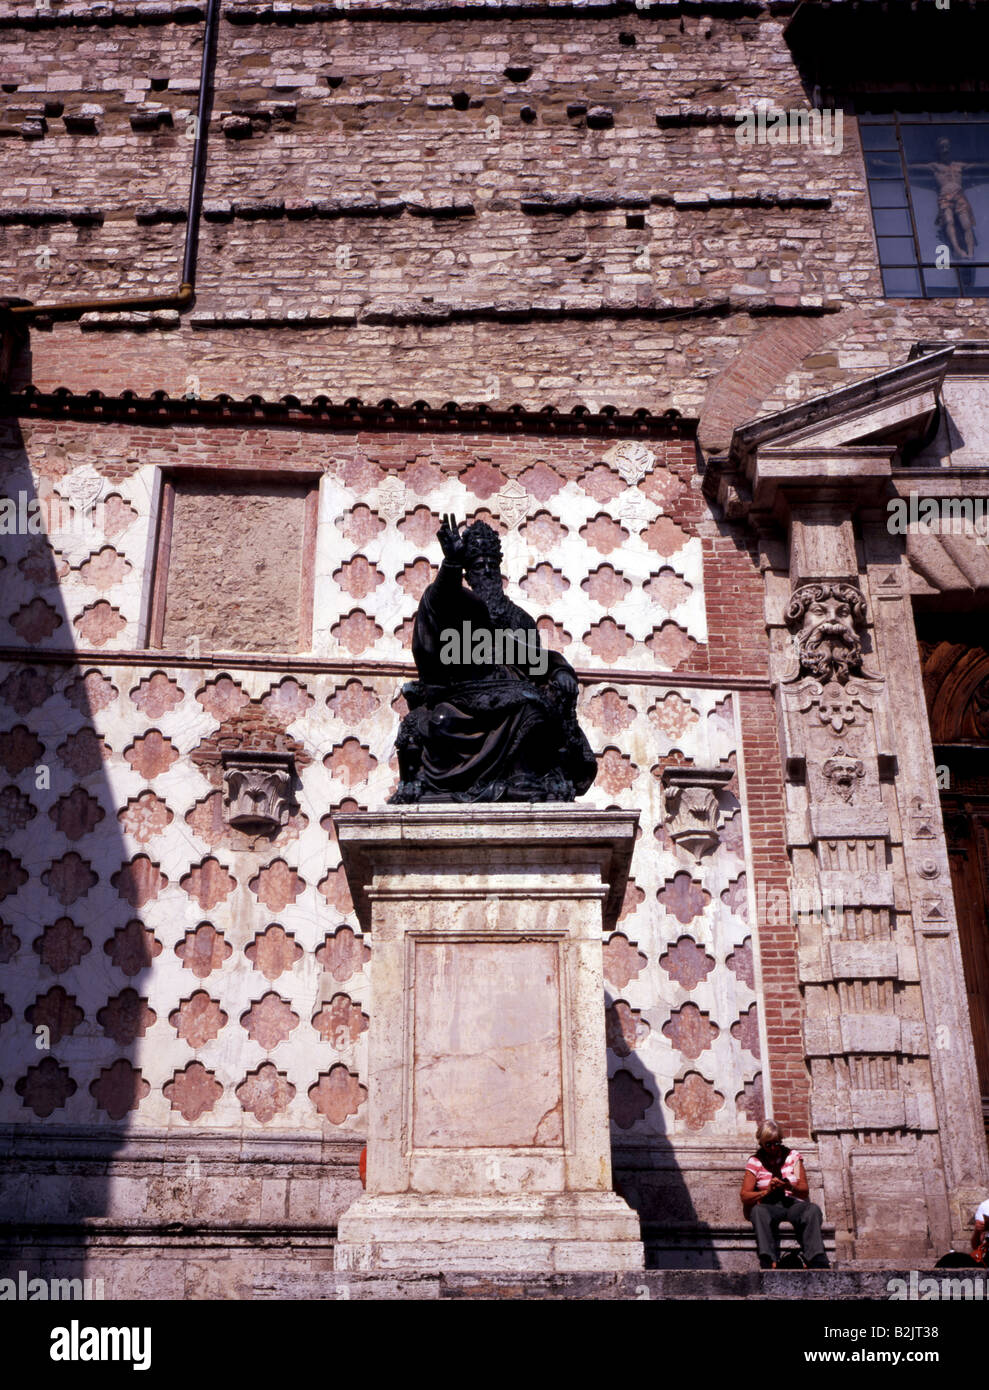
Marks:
<point>486,731</point>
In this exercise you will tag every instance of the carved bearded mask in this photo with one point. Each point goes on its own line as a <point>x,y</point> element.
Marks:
<point>824,619</point>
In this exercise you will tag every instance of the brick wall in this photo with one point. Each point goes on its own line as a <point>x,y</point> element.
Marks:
<point>389,213</point>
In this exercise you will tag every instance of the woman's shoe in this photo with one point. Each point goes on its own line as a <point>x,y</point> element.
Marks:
<point>766,1263</point>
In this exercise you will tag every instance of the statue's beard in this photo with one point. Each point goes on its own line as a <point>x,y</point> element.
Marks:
<point>830,651</point>
<point>492,595</point>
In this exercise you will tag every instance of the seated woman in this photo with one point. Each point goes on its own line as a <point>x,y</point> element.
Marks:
<point>775,1189</point>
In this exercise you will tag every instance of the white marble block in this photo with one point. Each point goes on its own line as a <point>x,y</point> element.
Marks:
<point>488,1139</point>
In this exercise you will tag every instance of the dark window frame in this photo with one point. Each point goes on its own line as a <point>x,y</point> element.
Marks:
<point>890,118</point>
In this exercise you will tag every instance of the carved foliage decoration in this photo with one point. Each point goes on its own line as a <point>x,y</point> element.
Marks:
<point>692,806</point>
<point>257,789</point>
<point>631,460</point>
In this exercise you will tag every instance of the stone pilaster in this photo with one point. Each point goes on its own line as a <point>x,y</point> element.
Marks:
<point>866,1047</point>
<point>895,1105</point>
<point>956,1163</point>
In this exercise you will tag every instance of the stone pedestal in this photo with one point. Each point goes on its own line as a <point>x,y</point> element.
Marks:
<point>488,1141</point>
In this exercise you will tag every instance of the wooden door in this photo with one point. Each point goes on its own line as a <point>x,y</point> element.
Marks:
<point>967,830</point>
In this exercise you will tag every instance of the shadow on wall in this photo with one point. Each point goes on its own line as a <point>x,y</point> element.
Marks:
<point>646,1172</point>
<point>76,955</point>
<point>669,1049</point>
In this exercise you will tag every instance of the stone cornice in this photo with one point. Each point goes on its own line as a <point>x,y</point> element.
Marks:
<point>152,659</point>
<point>838,445</point>
<point>787,476</point>
<point>434,314</point>
<point>322,414</point>
<point>969,356</point>
<point>939,482</point>
<point>383,841</point>
<point>851,406</point>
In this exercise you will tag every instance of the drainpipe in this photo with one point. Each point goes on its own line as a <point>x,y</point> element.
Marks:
<point>204,109</point>
<point>19,316</point>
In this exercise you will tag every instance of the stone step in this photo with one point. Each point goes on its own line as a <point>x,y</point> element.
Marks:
<point>692,1246</point>
<point>834,1285</point>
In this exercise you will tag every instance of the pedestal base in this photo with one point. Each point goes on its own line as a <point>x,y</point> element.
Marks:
<point>550,1234</point>
<point>488,1142</point>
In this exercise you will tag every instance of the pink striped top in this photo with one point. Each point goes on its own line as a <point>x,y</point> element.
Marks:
<point>762,1175</point>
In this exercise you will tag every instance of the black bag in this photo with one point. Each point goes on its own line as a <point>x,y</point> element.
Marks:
<point>957,1259</point>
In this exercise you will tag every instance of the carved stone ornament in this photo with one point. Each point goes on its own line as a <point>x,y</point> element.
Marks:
<point>692,805</point>
<point>842,773</point>
<point>631,460</point>
<point>841,800</point>
<point>257,789</point>
<point>634,511</point>
<point>923,819</point>
<point>836,706</point>
<point>83,487</point>
<point>512,503</point>
<point>392,501</point>
<point>825,619</point>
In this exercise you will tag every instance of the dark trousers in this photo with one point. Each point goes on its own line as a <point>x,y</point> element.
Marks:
<point>804,1217</point>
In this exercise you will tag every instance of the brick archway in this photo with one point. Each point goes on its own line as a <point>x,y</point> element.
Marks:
<point>769,356</point>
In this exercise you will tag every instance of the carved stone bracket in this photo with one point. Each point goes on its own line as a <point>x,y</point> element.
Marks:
<point>257,789</point>
<point>692,805</point>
